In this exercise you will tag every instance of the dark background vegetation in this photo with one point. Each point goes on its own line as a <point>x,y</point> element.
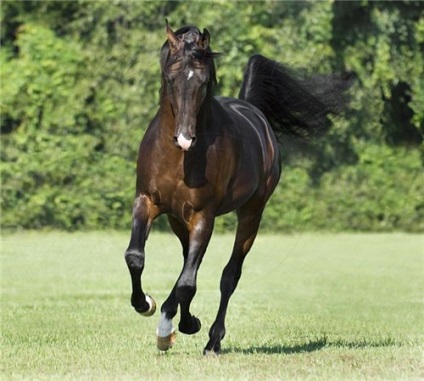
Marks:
<point>80,83</point>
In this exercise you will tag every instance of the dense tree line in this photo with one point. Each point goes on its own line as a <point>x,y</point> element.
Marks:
<point>80,82</point>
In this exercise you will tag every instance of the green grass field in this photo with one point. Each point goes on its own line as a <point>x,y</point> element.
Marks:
<point>312,307</point>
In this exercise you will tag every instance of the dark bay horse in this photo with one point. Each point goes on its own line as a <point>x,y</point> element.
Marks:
<point>202,157</point>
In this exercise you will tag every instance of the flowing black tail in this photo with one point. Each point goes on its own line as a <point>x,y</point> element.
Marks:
<point>293,105</point>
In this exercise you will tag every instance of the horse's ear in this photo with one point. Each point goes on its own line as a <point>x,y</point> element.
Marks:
<point>172,38</point>
<point>205,40</point>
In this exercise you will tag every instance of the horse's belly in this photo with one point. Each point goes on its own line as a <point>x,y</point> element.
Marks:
<point>182,201</point>
<point>240,190</point>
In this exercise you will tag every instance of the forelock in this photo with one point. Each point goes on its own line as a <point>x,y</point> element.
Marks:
<point>190,54</point>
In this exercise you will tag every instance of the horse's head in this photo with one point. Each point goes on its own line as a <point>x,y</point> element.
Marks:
<point>188,75</point>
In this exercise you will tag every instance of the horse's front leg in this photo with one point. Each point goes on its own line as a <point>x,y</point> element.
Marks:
<point>200,229</point>
<point>195,239</point>
<point>166,332</point>
<point>143,214</point>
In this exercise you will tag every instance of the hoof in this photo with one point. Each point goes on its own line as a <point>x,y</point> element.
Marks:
<point>165,343</point>
<point>152,307</point>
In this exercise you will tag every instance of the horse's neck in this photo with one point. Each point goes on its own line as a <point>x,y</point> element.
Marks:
<point>165,120</point>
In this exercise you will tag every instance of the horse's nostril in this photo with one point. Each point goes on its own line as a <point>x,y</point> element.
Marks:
<point>183,143</point>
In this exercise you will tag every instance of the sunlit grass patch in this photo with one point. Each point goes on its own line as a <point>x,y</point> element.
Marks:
<point>307,307</point>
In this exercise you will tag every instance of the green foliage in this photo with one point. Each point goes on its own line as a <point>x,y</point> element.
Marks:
<point>41,90</point>
<point>80,83</point>
<point>54,172</point>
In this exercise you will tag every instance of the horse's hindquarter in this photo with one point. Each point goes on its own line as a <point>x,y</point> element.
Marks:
<point>253,148</point>
<point>250,126</point>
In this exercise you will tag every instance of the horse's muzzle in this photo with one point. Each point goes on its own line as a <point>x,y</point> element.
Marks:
<point>183,143</point>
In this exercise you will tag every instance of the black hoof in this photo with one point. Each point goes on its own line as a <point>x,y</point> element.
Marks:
<point>192,328</point>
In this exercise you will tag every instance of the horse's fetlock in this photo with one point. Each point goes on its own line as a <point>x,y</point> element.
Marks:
<point>190,327</point>
<point>217,332</point>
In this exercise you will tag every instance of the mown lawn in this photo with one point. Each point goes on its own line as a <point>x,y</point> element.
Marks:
<point>313,307</point>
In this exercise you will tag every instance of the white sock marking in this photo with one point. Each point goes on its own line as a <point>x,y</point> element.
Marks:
<point>165,327</point>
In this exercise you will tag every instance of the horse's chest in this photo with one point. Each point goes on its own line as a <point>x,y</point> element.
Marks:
<point>179,200</point>
<point>180,191</point>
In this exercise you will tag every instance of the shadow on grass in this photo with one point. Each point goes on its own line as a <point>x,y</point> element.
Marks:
<point>314,345</point>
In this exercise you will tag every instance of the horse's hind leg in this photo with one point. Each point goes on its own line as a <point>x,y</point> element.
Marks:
<point>248,225</point>
<point>143,215</point>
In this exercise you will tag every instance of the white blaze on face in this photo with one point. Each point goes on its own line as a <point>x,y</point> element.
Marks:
<point>165,327</point>
<point>190,74</point>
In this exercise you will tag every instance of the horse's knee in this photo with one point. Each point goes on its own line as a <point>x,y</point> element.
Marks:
<point>134,259</point>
